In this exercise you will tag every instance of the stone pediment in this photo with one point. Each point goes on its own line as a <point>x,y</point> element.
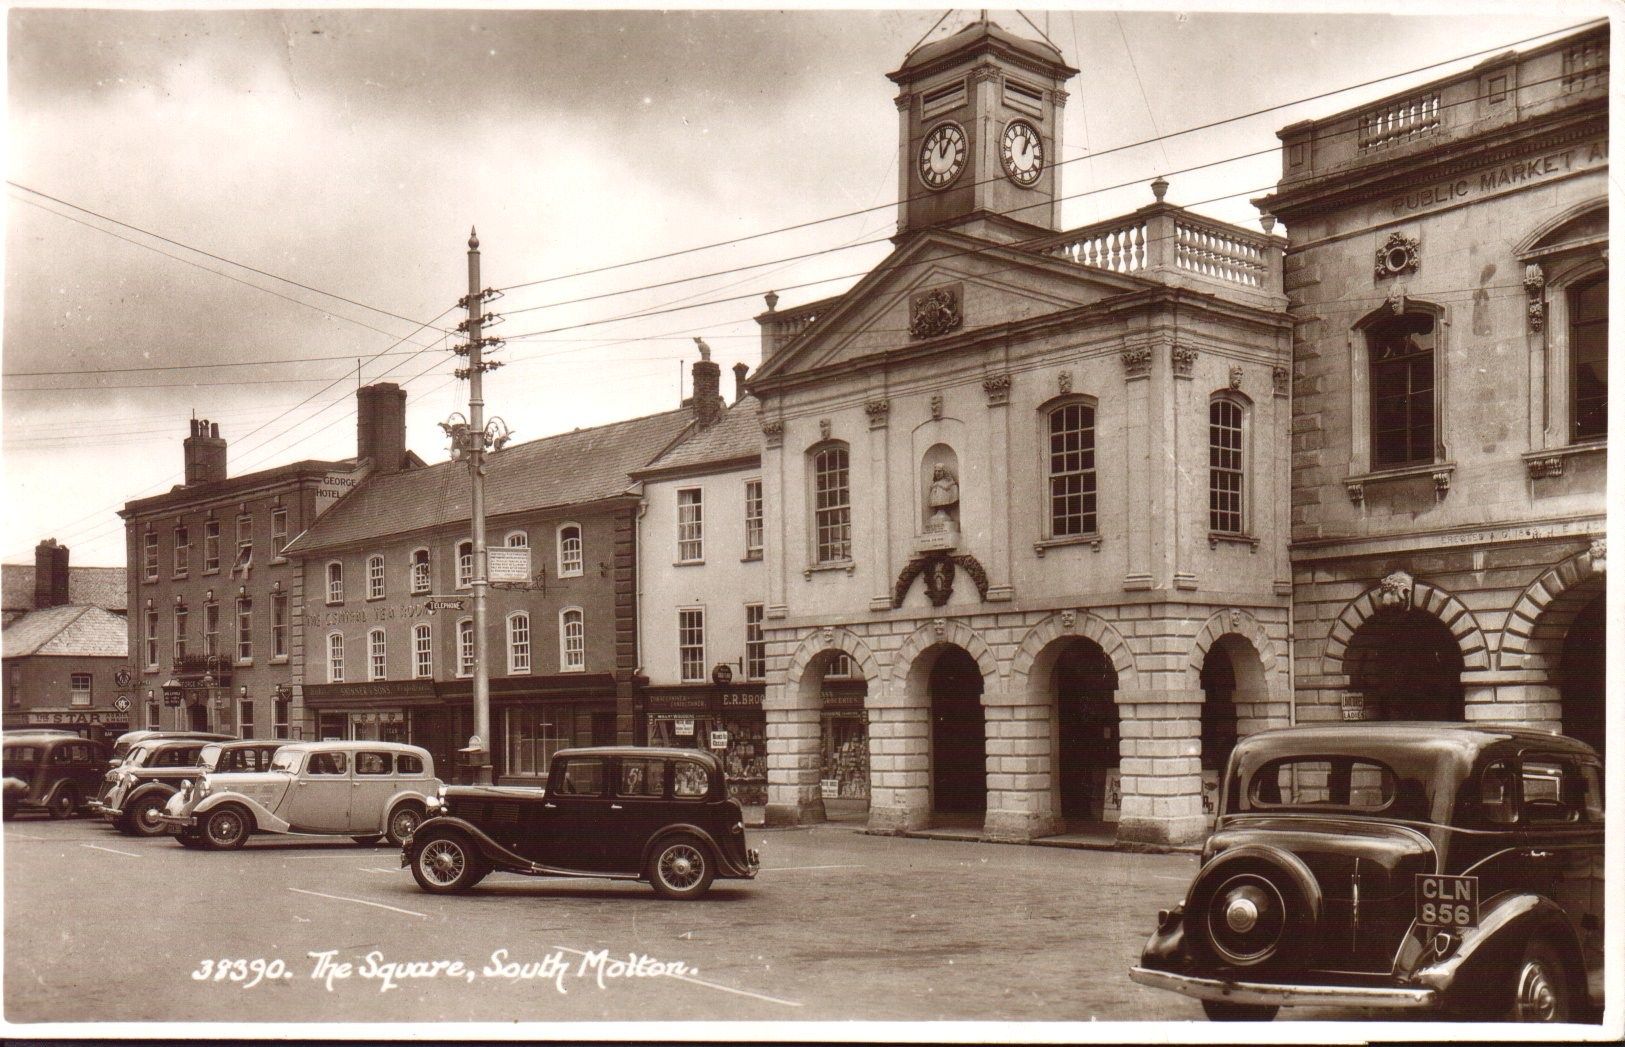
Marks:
<point>937,288</point>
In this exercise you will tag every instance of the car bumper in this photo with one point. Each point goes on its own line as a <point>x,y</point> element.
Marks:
<point>1392,998</point>
<point>178,821</point>
<point>105,810</point>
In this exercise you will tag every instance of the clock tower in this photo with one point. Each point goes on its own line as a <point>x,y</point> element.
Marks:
<point>980,115</point>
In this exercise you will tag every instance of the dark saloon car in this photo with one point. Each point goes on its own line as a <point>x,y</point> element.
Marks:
<point>133,799</point>
<point>661,815</point>
<point>1446,868</point>
<point>50,771</point>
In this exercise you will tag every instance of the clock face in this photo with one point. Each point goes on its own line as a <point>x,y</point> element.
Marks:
<point>942,156</point>
<point>1022,152</point>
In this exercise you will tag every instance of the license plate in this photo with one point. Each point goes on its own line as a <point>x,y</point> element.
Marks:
<point>1446,901</point>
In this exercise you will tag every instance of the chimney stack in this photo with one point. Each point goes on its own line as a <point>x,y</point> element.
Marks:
<point>50,574</point>
<point>205,453</point>
<point>381,426</point>
<point>740,371</point>
<point>707,387</point>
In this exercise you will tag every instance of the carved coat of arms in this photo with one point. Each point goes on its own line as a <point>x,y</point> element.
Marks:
<point>934,312</point>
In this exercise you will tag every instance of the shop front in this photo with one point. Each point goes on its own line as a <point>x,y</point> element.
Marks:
<point>534,717</point>
<point>844,778</point>
<point>725,717</point>
<point>95,724</point>
<point>381,712</point>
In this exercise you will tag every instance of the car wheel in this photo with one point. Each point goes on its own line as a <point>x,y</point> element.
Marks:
<point>1540,985</point>
<point>367,841</point>
<point>447,863</point>
<point>65,804</point>
<point>143,817</point>
<point>403,822</point>
<point>1225,1011</point>
<point>225,828</point>
<point>1253,911</point>
<point>680,868</point>
<point>190,840</point>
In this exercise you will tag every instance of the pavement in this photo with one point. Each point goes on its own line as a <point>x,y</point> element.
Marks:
<point>838,926</point>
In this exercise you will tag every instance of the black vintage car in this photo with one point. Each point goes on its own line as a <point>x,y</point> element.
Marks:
<point>1445,868</point>
<point>661,815</point>
<point>50,771</point>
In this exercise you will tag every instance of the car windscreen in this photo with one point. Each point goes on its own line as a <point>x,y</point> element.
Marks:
<point>208,757</point>
<point>285,760</point>
<point>138,756</point>
<point>1323,783</point>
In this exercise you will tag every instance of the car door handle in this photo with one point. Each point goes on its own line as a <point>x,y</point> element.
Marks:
<point>1540,854</point>
<point>615,807</point>
<point>550,803</point>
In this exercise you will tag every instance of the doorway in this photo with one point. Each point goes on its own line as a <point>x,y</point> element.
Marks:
<point>958,734</point>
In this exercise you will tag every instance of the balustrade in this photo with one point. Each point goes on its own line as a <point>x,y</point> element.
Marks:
<point>1401,121</point>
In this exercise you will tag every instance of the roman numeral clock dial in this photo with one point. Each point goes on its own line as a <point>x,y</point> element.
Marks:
<point>1021,151</point>
<point>942,156</point>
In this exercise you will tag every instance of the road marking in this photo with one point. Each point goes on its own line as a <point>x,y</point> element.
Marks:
<point>709,985</point>
<point>1176,879</point>
<point>392,872</point>
<point>806,868</point>
<point>20,836</point>
<point>360,901</point>
<point>109,850</point>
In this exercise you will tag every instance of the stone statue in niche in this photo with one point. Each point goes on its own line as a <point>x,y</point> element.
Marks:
<point>943,499</point>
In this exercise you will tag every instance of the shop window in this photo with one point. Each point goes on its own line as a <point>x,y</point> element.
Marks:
<point>753,519</point>
<point>279,625</point>
<point>211,630</point>
<point>183,552</point>
<point>211,546</point>
<point>180,634</point>
<point>1402,410</point>
<point>245,718</point>
<point>840,666</point>
<point>422,652</point>
<point>1070,465</point>
<point>572,640</point>
<point>533,736</point>
<point>518,643</point>
<point>79,688</point>
<point>375,577</point>
<point>1588,359</point>
<point>245,629</point>
<point>281,711</point>
<point>279,531</point>
<point>689,780</point>
<point>149,556</point>
<point>465,647</point>
<point>335,657</point>
<point>755,643</point>
<point>150,626</point>
<point>465,564</point>
<point>832,505</point>
<point>376,655</point>
<point>690,526</point>
<point>1226,466</point>
<point>335,582</point>
<point>569,550</point>
<point>691,644</point>
<point>421,580</point>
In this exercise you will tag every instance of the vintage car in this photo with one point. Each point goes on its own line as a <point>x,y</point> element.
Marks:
<point>365,790</point>
<point>49,771</point>
<point>1442,868</point>
<point>156,769</point>
<point>661,815</point>
<point>130,739</point>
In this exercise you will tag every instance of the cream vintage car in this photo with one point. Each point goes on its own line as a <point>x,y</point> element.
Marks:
<point>364,790</point>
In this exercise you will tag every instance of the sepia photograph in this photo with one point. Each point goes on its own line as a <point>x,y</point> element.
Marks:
<point>1079,523</point>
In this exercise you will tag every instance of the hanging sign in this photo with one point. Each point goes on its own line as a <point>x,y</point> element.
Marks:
<point>508,563</point>
<point>122,677</point>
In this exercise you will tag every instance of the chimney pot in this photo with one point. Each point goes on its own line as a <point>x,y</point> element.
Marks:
<point>707,387</point>
<point>381,426</point>
<point>204,453</point>
<point>50,574</point>
<point>740,371</point>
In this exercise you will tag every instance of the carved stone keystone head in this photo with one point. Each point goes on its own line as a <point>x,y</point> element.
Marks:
<point>1394,591</point>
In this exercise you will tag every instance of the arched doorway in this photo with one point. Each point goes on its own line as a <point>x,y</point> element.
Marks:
<point>1406,665</point>
<point>1234,690</point>
<point>843,775</point>
<point>958,733</point>
<point>1581,675</point>
<point>1084,683</point>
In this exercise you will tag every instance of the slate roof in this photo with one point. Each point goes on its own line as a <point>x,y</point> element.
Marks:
<point>87,586</point>
<point>736,435</point>
<point>67,631</point>
<point>572,468</point>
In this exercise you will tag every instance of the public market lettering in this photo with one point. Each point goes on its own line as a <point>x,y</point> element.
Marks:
<point>1514,172</point>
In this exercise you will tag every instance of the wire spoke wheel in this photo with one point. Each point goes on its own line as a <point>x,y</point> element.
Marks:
<point>403,823</point>
<point>681,869</point>
<point>443,861</point>
<point>225,828</point>
<point>146,817</point>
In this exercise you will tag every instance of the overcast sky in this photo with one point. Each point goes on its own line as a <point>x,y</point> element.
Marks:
<point>351,151</point>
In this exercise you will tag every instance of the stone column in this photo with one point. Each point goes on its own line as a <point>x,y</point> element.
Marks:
<point>1161,767</point>
<point>899,765</point>
<point>999,480</point>
<point>1020,775</point>
<point>794,741</point>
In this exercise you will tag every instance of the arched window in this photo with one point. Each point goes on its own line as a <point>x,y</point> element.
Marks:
<point>376,653</point>
<point>465,563</point>
<point>1403,387</point>
<point>832,504</point>
<point>1227,471</point>
<point>518,643</point>
<point>572,641</point>
<point>569,550</point>
<point>335,657</point>
<point>517,540</point>
<point>422,651</point>
<point>465,647</point>
<point>375,577</point>
<point>421,579</point>
<point>1588,358</point>
<point>1070,464</point>
<point>335,582</point>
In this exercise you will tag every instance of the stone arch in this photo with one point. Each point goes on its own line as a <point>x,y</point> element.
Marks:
<point>1518,633</point>
<point>945,630</point>
<point>1075,623</point>
<point>1242,624</point>
<point>831,638</point>
<point>1546,233</point>
<point>1430,599</point>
